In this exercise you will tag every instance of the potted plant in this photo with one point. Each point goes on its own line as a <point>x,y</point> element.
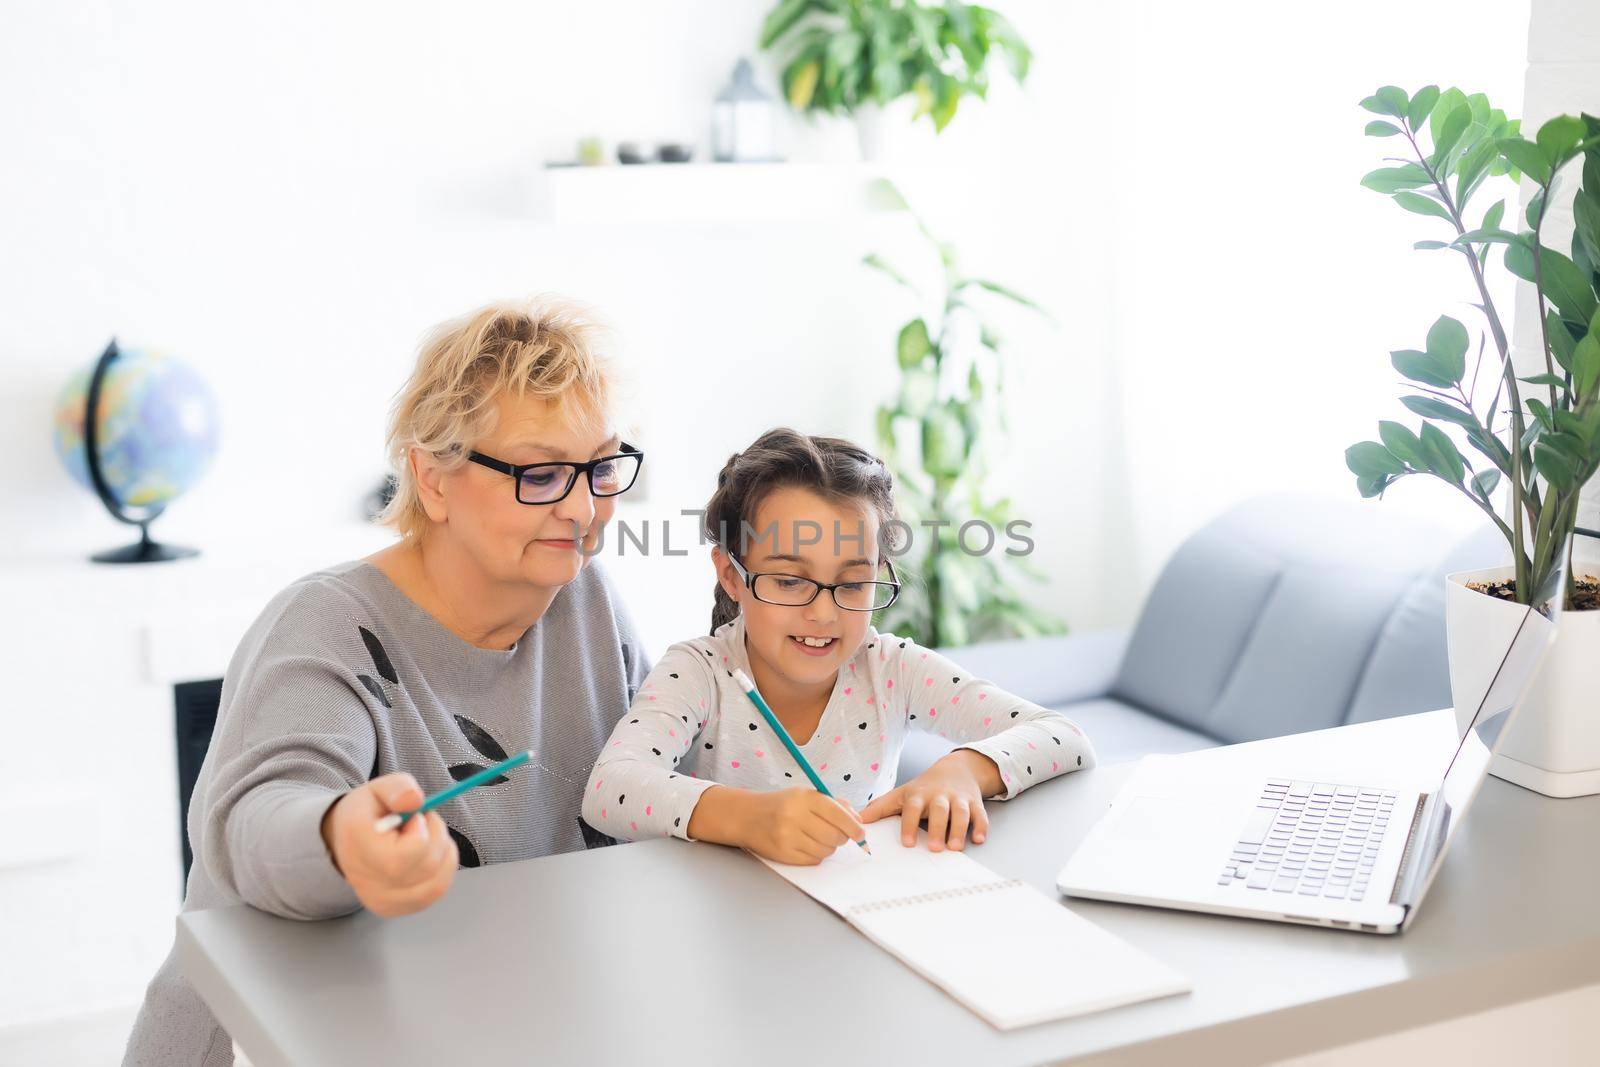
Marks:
<point>1534,438</point>
<point>883,62</point>
<point>938,435</point>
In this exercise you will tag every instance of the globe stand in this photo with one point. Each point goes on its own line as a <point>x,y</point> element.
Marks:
<point>146,550</point>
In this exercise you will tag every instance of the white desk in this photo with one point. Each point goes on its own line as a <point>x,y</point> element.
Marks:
<point>664,951</point>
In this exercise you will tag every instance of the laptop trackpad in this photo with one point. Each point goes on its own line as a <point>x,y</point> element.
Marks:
<point>1153,835</point>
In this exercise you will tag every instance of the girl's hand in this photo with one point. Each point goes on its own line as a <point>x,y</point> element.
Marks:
<point>397,872</point>
<point>798,825</point>
<point>949,795</point>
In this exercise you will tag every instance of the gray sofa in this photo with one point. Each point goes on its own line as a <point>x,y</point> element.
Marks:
<point>1287,613</point>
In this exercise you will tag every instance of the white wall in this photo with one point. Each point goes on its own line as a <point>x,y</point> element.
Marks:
<point>1563,77</point>
<point>1258,287</point>
<point>288,196</point>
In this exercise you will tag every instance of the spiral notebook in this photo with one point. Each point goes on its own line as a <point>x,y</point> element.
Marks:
<point>1006,951</point>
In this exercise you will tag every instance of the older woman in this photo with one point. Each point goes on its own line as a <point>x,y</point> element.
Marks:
<point>485,629</point>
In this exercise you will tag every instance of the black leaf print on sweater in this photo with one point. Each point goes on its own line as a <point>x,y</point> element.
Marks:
<point>469,853</point>
<point>479,738</point>
<point>375,688</point>
<point>627,672</point>
<point>380,658</point>
<point>463,771</point>
<point>593,838</point>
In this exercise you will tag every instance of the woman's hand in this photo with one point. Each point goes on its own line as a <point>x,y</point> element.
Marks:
<point>397,872</point>
<point>799,826</point>
<point>949,795</point>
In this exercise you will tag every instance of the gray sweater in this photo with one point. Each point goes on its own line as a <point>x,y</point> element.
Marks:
<point>343,678</point>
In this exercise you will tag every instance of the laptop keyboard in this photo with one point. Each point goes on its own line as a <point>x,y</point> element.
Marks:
<point>1311,839</point>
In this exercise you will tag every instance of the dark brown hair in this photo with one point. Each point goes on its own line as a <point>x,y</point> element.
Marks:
<point>831,467</point>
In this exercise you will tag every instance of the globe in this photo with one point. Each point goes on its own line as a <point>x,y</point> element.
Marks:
<point>156,433</point>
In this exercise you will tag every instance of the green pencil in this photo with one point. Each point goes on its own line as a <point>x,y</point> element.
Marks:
<point>396,818</point>
<point>783,735</point>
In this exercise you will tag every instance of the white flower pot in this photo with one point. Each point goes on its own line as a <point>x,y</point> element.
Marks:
<point>887,134</point>
<point>1554,745</point>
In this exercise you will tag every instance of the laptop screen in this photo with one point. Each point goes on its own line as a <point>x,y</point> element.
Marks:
<point>1484,733</point>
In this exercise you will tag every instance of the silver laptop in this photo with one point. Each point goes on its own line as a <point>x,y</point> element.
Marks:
<point>1328,850</point>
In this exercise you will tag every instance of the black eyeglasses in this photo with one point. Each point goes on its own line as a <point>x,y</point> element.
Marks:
<point>549,483</point>
<point>793,591</point>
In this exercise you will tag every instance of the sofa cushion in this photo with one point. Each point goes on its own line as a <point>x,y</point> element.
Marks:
<point>1410,668</point>
<point>1121,732</point>
<point>1263,621</point>
<point>1118,731</point>
<point>1049,671</point>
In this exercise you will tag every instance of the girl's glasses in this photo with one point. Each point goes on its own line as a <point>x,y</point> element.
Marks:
<point>793,591</point>
<point>548,483</point>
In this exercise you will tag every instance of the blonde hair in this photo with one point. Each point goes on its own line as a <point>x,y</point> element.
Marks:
<point>547,348</point>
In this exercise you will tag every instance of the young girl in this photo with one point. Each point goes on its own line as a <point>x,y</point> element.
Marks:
<point>797,522</point>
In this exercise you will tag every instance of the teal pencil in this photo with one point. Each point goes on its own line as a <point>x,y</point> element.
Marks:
<point>396,818</point>
<point>783,735</point>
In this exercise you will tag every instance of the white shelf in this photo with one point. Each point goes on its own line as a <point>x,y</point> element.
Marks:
<point>709,192</point>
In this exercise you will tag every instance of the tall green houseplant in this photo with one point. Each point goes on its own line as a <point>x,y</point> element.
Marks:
<point>939,435</point>
<point>846,54</point>
<point>1538,435</point>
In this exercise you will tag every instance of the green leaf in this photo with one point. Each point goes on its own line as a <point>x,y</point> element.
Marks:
<point>877,262</point>
<point>1447,347</point>
<point>1421,367</point>
<point>1369,458</point>
<point>1379,128</point>
<point>1448,101</point>
<point>913,345</point>
<point>1558,137</point>
<point>944,443</point>
<point>1371,485</point>
<point>1535,210</point>
<point>1402,444</point>
<point>1484,236</point>
<point>1492,217</point>
<point>1450,131</point>
<point>1541,411</point>
<point>1421,106</point>
<point>1519,256</point>
<point>781,20</point>
<point>1585,365</point>
<point>1554,467</point>
<point>1526,157</point>
<point>1421,205</point>
<point>1586,217</point>
<point>1562,342</point>
<point>1474,162</point>
<point>1431,407</point>
<point>1485,482</point>
<point>1445,460</point>
<point>1545,379</point>
<point>1389,100</point>
<point>1000,290</point>
<point>1388,180</point>
<point>1565,286</point>
<point>1431,245</point>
